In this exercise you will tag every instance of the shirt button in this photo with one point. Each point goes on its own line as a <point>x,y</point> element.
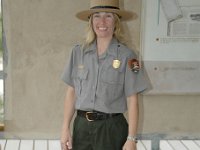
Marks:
<point>92,101</point>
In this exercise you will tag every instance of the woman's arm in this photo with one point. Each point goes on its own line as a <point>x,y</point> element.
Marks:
<point>66,138</point>
<point>133,112</point>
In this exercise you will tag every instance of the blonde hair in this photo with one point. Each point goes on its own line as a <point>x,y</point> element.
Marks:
<point>118,32</point>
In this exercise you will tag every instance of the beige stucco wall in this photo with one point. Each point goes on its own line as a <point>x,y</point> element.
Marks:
<point>39,36</point>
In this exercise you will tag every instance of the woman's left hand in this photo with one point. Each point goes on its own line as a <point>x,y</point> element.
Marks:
<point>129,145</point>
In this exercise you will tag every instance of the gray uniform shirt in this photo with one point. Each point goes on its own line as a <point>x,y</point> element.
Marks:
<point>98,85</point>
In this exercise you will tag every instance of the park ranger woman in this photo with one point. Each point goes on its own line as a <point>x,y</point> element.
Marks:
<point>103,77</point>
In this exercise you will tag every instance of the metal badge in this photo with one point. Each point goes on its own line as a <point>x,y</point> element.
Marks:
<point>116,63</point>
<point>80,66</point>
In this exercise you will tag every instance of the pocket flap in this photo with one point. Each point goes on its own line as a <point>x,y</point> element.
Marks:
<point>80,73</point>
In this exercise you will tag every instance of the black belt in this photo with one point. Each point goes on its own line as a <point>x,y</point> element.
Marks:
<point>95,115</point>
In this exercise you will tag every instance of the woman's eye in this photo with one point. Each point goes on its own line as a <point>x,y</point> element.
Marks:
<point>96,16</point>
<point>108,16</point>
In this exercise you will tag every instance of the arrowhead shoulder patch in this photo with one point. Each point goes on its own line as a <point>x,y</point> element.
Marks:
<point>134,65</point>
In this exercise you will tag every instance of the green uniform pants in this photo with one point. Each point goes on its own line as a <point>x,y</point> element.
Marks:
<point>108,134</point>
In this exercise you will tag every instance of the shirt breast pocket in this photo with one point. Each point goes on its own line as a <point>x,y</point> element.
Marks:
<point>80,77</point>
<point>112,83</point>
<point>113,75</point>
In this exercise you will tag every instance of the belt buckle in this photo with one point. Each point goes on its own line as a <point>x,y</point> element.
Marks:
<point>87,116</point>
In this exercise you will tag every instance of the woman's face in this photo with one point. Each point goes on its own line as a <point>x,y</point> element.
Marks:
<point>103,24</point>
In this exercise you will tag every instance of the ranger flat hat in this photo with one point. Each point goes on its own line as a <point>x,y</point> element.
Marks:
<point>106,6</point>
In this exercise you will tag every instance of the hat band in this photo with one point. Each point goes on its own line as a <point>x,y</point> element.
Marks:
<point>107,7</point>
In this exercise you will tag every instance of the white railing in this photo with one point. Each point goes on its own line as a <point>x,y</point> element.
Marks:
<point>12,144</point>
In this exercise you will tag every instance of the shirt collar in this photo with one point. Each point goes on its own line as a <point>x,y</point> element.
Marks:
<point>112,48</point>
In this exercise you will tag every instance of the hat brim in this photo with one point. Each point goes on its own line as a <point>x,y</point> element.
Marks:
<point>124,15</point>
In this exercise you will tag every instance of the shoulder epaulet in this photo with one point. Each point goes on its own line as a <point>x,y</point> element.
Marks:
<point>124,50</point>
<point>76,45</point>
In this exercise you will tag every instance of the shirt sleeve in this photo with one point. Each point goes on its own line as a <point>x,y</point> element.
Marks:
<point>135,82</point>
<point>68,69</point>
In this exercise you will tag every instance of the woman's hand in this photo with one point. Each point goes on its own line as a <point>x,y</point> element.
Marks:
<point>66,140</point>
<point>129,145</point>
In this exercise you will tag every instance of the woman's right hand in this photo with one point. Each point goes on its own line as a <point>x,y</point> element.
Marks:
<point>66,140</point>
